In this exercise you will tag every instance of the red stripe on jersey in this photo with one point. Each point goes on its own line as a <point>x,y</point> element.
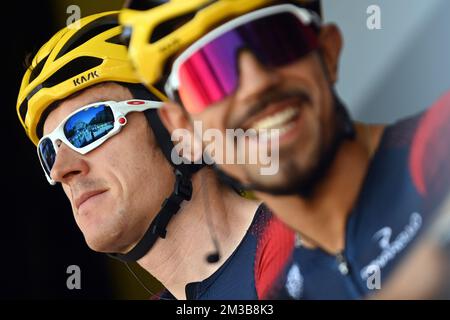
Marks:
<point>273,252</point>
<point>430,145</point>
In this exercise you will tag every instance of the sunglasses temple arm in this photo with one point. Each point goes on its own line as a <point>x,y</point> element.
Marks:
<point>125,107</point>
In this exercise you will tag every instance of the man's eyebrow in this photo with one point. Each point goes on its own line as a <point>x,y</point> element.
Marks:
<point>105,98</point>
<point>101,98</point>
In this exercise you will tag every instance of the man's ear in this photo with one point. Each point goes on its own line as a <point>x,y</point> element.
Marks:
<point>330,43</point>
<point>180,127</point>
<point>173,117</point>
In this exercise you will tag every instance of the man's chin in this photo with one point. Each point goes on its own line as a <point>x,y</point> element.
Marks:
<point>280,183</point>
<point>290,179</point>
<point>109,243</point>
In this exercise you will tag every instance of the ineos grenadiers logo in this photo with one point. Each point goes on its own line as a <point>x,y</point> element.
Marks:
<point>389,249</point>
<point>80,80</point>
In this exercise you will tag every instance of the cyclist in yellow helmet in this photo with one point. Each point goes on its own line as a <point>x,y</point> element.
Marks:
<point>359,195</point>
<point>98,134</point>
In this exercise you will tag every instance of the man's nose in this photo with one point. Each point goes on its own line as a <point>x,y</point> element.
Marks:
<point>254,77</point>
<point>68,164</point>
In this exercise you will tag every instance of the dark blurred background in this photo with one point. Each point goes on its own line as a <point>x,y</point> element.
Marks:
<point>384,75</point>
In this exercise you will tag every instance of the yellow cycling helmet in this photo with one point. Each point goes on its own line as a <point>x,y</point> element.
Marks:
<point>157,34</point>
<point>74,58</point>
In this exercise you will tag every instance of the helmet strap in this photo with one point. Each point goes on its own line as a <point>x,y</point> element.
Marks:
<point>182,189</point>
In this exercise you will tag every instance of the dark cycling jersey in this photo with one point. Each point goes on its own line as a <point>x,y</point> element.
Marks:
<point>241,274</point>
<point>407,179</point>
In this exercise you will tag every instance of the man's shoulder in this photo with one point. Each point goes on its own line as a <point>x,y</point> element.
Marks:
<point>275,245</point>
<point>422,127</point>
<point>430,146</point>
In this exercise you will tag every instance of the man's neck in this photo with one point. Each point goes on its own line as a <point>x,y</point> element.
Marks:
<point>322,218</point>
<point>214,210</point>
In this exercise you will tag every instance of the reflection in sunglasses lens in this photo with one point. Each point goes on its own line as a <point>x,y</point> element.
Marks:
<point>89,125</point>
<point>47,154</point>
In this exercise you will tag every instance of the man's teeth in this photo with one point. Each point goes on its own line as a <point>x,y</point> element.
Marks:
<point>286,128</point>
<point>277,120</point>
<point>271,133</point>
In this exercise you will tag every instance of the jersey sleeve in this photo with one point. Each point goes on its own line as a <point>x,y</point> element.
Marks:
<point>273,252</point>
<point>430,152</point>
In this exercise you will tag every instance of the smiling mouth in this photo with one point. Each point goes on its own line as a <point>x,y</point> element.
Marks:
<point>283,120</point>
<point>283,115</point>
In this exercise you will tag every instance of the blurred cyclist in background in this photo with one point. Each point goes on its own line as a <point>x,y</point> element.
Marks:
<point>360,196</point>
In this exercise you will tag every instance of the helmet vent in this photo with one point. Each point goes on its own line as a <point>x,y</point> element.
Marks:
<point>88,32</point>
<point>143,5</point>
<point>71,69</point>
<point>23,109</point>
<point>117,39</point>
<point>37,70</point>
<point>169,26</point>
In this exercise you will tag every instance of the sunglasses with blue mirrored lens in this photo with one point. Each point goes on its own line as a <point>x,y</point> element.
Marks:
<point>87,128</point>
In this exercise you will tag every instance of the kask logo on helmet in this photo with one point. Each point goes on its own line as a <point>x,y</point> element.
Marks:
<point>82,79</point>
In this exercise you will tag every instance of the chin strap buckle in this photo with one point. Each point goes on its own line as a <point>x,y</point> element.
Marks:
<point>183,185</point>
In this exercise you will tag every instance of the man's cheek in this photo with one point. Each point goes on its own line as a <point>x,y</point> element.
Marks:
<point>67,192</point>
